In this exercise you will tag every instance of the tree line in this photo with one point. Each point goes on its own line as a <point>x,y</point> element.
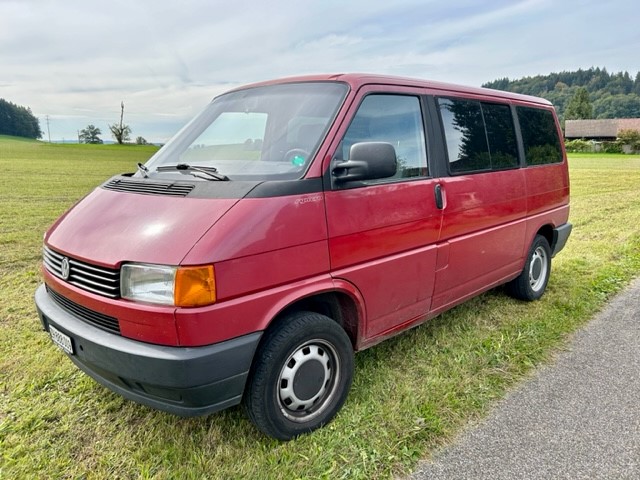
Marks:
<point>611,95</point>
<point>18,121</point>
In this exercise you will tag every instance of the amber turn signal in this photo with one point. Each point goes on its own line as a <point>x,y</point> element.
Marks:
<point>194,286</point>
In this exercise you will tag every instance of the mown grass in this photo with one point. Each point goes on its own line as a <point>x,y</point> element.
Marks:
<point>410,394</point>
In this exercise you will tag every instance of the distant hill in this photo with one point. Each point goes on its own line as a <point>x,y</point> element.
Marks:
<point>613,95</point>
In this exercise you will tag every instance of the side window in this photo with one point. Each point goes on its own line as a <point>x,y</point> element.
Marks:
<point>465,135</point>
<point>395,119</point>
<point>539,135</point>
<point>501,134</point>
<point>480,136</point>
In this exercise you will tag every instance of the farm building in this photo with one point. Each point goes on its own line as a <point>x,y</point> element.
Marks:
<point>599,130</point>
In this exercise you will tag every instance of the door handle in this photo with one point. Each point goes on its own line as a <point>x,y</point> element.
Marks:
<point>439,198</point>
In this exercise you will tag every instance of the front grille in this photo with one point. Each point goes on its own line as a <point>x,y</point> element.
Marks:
<point>105,322</point>
<point>146,187</point>
<point>100,280</point>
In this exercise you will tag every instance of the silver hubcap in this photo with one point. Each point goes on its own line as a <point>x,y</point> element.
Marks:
<point>538,269</point>
<point>307,380</point>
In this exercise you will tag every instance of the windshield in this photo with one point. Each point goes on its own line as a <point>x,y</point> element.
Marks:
<point>262,133</point>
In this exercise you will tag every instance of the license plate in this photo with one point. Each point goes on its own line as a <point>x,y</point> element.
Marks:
<point>61,340</point>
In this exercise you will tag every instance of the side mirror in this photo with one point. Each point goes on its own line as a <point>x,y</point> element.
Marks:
<point>367,161</point>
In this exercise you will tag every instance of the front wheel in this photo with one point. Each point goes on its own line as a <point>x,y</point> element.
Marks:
<point>301,376</point>
<point>532,281</point>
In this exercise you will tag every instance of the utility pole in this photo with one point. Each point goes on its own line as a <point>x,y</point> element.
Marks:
<point>48,131</point>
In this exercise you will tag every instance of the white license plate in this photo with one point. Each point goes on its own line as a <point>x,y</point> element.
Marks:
<point>61,340</point>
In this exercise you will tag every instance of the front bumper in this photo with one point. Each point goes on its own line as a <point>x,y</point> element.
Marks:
<point>186,381</point>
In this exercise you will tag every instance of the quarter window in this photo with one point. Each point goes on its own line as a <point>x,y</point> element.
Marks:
<point>539,136</point>
<point>395,119</point>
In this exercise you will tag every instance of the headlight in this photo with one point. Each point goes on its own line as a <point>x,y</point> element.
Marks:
<point>147,283</point>
<point>166,285</point>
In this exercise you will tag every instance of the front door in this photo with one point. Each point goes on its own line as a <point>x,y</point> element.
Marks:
<point>382,233</point>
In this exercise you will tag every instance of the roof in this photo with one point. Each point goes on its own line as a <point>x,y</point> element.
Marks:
<point>604,128</point>
<point>356,80</point>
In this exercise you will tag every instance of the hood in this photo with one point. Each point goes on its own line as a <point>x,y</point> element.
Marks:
<point>109,227</point>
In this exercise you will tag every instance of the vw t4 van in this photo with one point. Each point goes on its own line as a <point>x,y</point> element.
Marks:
<point>294,222</point>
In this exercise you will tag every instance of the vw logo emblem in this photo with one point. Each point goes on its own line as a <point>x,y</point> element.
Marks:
<point>64,268</point>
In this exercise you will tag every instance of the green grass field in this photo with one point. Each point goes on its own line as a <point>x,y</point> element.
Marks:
<point>410,394</point>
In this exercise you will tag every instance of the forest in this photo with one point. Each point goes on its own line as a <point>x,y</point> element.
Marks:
<point>18,121</point>
<point>611,95</point>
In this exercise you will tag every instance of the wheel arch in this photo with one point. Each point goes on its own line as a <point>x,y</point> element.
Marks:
<point>343,304</point>
<point>547,232</point>
<point>336,305</point>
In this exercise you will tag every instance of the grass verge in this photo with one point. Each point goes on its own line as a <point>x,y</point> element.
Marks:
<point>411,393</point>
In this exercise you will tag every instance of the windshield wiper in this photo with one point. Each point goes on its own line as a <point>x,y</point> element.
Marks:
<point>210,172</point>
<point>144,170</point>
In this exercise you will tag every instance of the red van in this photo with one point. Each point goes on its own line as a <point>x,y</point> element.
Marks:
<point>294,222</point>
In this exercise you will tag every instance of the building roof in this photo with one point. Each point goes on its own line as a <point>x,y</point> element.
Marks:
<point>604,128</point>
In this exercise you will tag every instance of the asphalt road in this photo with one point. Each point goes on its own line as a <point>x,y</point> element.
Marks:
<point>578,418</point>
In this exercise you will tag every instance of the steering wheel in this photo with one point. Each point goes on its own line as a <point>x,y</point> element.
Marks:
<point>296,157</point>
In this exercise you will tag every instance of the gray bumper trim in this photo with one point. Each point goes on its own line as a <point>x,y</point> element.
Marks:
<point>560,237</point>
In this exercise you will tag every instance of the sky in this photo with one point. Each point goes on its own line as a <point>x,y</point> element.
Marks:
<point>75,61</point>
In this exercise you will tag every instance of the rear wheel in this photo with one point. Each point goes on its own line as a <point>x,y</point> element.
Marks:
<point>301,376</point>
<point>532,281</point>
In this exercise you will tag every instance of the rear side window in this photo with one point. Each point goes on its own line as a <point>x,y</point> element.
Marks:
<point>501,135</point>
<point>539,136</point>
<point>480,136</point>
<point>395,119</point>
<point>466,138</point>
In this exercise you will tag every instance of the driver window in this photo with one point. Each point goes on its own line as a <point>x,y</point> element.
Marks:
<point>395,119</point>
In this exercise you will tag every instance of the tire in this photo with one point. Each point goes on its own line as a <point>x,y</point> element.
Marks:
<point>532,281</point>
<point>300,377</point>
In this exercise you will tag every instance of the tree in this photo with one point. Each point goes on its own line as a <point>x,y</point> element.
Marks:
<point>579,106</point>
<point>18,121</point>
<point>141,141</point>
<point>120,132</point>
<point>630,138</point>
<point>618,106</point>
<point>560,86</point>
<point>613,95</point>
<point>620,84</point>
<point>89,134</point>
